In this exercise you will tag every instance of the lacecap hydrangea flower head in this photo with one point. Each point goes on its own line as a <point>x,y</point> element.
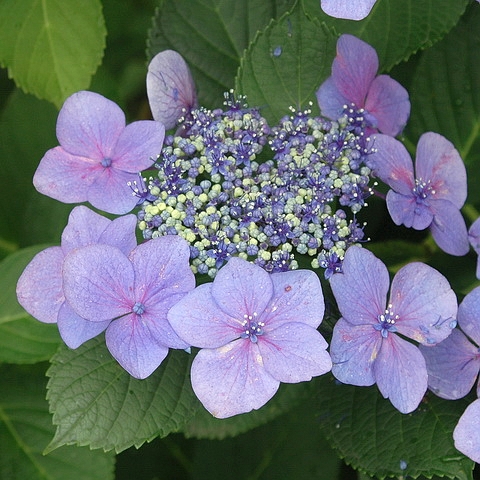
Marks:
<point>255,330</point>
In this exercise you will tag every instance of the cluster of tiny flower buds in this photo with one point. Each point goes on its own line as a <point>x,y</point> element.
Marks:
<point>233,186</point>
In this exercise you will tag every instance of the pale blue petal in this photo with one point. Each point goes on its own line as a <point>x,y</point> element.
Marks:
<point>294,352</point>
<point>297,297</point>
<point>452,366</point>
<point>200,322</point>
<point>469,315</point>
<point>132,344</point>
<point>330,100</point>
<point>400,373</point>
<point>361,290</point>
<point>347,9</point>
<point>405,210</point>
<point>232,379</point>
<point>425,303</point>
<point>465,435</point>
<point>353,349</point>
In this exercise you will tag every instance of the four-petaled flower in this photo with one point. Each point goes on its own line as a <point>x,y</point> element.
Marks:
<point>354,81</point>
<point>348,9</point>
<point>40,287</point>
<point>433,195</point>
<point>255,330</point>
<point>134,293</point>
<point>98,155</point>
<point>365,347</point>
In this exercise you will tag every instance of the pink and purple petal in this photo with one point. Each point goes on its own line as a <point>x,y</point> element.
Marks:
<point>84,227</point>
<point>65,177</point>
<point>89,124</point>
<point>347,9</point>
<point>392,164</point>
<point>405,210</point>
<point>401,374</point>
<point>74,329</point>
<point>452,366</point>
<point>330,100</point>
<point>294,352</point>
<point>138,146</point>
<point>424,302</point>
<point>465,435</point>
<point>39,288</point>
<point>170,88</point>
<point>162,265</point>
<point>297,297</point>
<point>438,161</point>
<point>200,322</point>
<point>232,379</point>
<point>361,290</point>
<point>110,191</point>
<point>469,315</point>
<point>448,228</point>
<point>389,103</point>
<point>353,350</point>
<point>132,344</point>
<point>354,68</point>
<point>241,288</point>
<point>98,281</point>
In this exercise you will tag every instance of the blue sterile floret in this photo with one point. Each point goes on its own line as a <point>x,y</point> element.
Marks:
<point>233,186</point>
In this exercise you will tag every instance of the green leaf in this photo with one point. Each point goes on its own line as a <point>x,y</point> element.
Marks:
<point>398,28</point>
<point>22,338</point>
<point>27,131</point>
<point>286,64</point>
<point>372,436</point>
<point>51,47</point>
<point>204,425</point>
<point>289,447</point>
<point>26,428</point>
<point>444,94</point>
<point>211,35</point>
<point>97,403</point>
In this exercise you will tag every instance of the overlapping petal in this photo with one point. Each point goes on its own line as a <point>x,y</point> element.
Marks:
<point>361,291</point>
<point>401,373</point>
<point>98,282</point>
<point>425,302</point>
<point>170,88</point>
<point>353,349</point>
<point>452,365</point>
<point>469,315</point>
<point>232,379</point>
<point>297,297</point>
<point>242,288</point>
<point>206,325</point>
<point>465,435</point>
<point>405,210</point>
<point>131,343</point>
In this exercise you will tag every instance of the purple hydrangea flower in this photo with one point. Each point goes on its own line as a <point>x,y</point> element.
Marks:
<point>365,347</point>
<point>453,365</point>
<point>98,155</point>
<point>170,88</point>
<point>40,287</point>
<point>465,435</point>
<point>474,239</point>
<point>430,197</point>
<point>133,293</point>
<point>255,330</point>
<point>348,9</point>
<point>354,81</point>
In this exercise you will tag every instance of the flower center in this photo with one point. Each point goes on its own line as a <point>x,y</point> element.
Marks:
<point>106,162</point>
<point>386,322</point>
<point>138,308</point>
<point>253,329</point>
<point>423,189</point>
